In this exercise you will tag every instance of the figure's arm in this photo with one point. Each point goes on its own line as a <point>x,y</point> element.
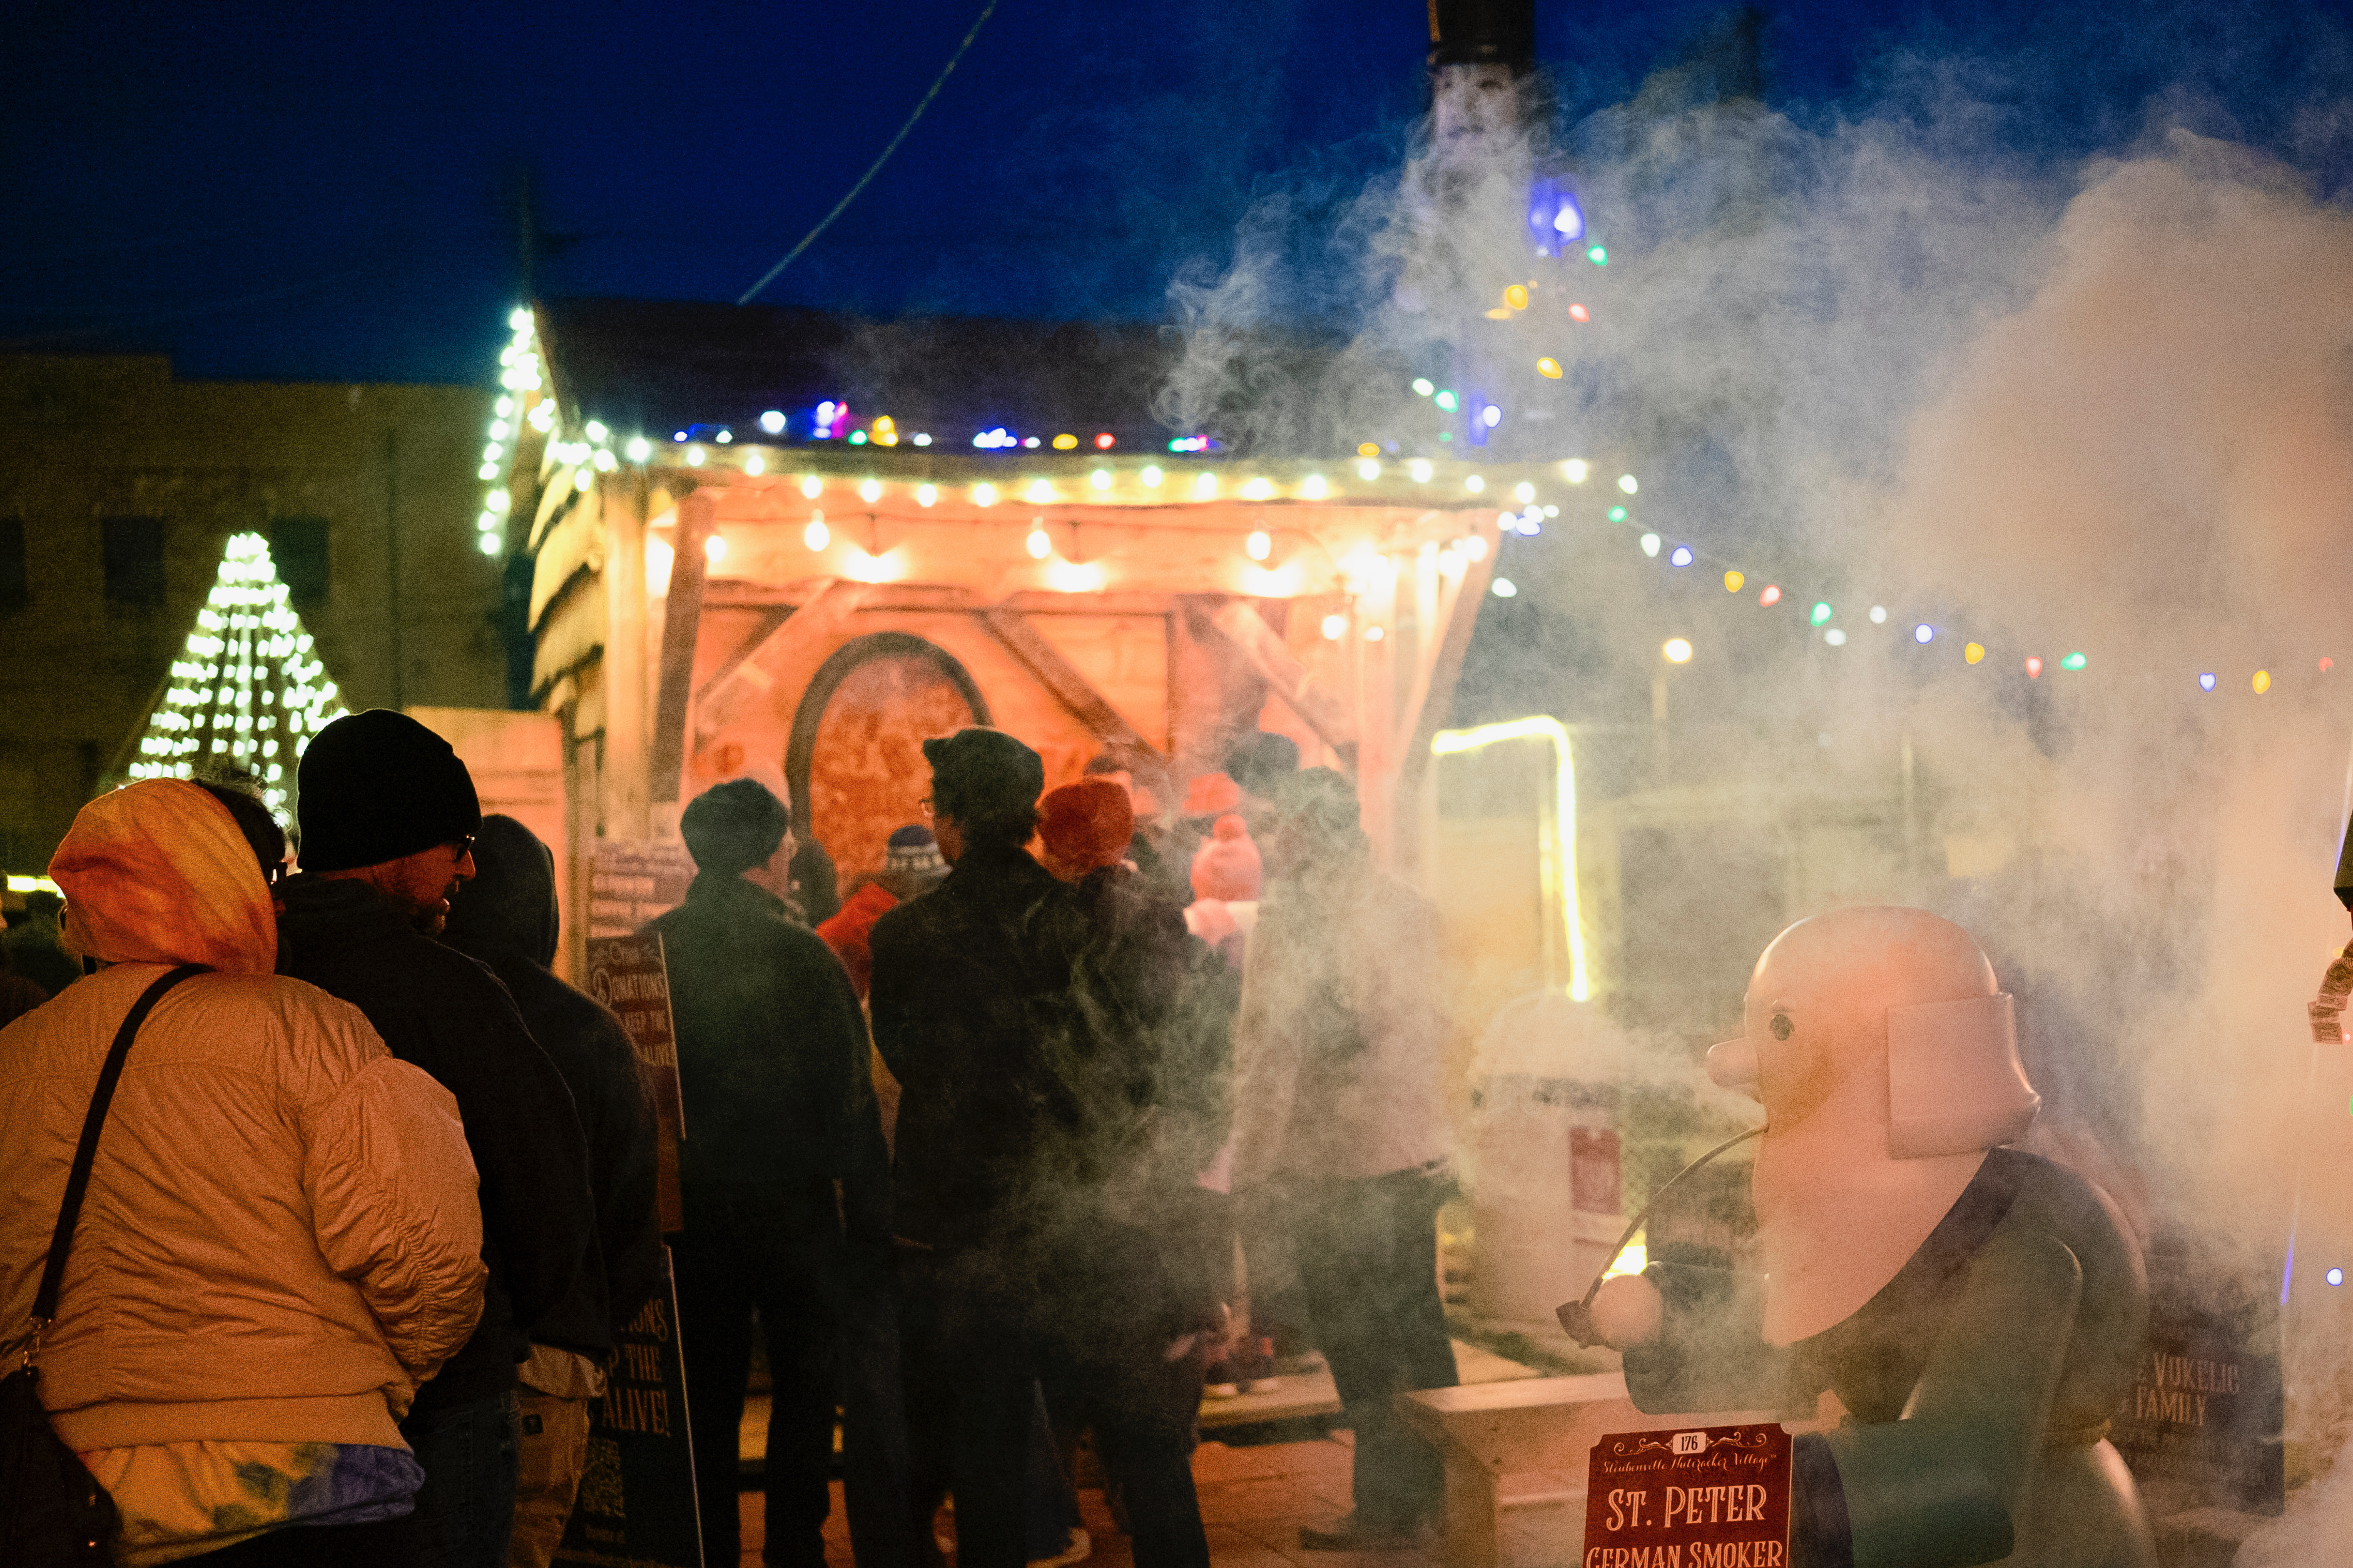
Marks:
<point>1940,1488</point>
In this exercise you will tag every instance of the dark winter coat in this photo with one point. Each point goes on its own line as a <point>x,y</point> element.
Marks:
<point>444,1011</point>
<point>506,917</point>
<point>772,1066</point>
<point>1021,1019</point>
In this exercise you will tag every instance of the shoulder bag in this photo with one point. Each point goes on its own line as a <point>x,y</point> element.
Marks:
<point>52,1509</point>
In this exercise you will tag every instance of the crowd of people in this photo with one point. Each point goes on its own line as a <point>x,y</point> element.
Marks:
<point>967,1148</point>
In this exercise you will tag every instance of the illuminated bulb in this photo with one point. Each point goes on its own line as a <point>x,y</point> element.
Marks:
<point>1677,649</point>
<point>1369,448</point>
<point>1368,470</point>
<point>606,465</point>
<point>1151,476</point>
<point>490,544</point>
<point>773,421</point>
<point>923,439</point>
<point>724,437</point>
<point>812,487</point>
<point>1040,546</point>
<point>1420,469</point>
<point>1106,441</point>
<point>639,448</point>
<point>1504,588</point>
<point>1626,482</point>
<point>2034,668</point>
<point>1924,633</point>
<point>870,491</point>
<point>1335,626</point>
<point>1516,296</point>
<point>1598,256</point>
<point>1421,386</point>
<point>1313,488</point>
<point>1259,546</point>
<point>1446,400</point>
<point>926,495</point>
<point>1257,489</point>
<point>1650,545</point>
<point>984,495</point>
<point>1525,493</point>
<point>2206,681</point>
<point>1822,612</point>
<point>499,431</point>
<point>1680,556</point>
<point>1548,367</point>
<point>1578,313</point>
<point>1475,484</point>
<point>2334,1277</point>
<point>1732,580</point>
<point>497,501</point>
<point>659,558</point>
<point>1490,416</point>
<point>714,550</point>
<point>1878,614</point>
<point>1574,470</point>
<point>586,477</point>
<point>1835,637</point>
<point>1206,486</point>
<point>1374,634</point>
<point>596,430</point>
<point>752,463</point>
<point>1617,514</point>
<point>1066,443</point>
<point>817,536</point>
<point>2262,680</point>
<point>492,453</point>
<point>2077,661</point>
<point>1475,547</point>
<point>2326,665</point>
<point>503,407</point>
<point>1770,596</point>
<point>1973,652</point>
<point>1100,479</point>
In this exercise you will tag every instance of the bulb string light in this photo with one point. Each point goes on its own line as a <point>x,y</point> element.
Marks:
<point>248,690</point>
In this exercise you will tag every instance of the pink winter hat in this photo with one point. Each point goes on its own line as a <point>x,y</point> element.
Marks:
<point>1226,866</point>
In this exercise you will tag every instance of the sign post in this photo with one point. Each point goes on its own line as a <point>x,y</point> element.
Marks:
<point>1717,1497</point>
<point>637,1507</point>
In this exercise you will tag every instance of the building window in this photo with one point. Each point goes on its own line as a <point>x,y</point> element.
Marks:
<point>14,591</point>
<point>133,549</point>
<point>298,548</point>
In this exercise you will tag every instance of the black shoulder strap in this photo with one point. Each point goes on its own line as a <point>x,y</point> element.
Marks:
<point>44,1303</point>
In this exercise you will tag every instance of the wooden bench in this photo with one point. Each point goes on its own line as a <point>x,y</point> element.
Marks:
<point>1539,1429</point>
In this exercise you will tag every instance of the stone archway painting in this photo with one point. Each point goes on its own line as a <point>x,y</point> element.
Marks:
<point>857,755</point>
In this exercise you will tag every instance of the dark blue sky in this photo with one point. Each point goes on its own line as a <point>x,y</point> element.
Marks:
<point>329,193</point>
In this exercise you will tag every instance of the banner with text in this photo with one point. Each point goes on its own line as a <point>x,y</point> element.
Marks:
<point>1715,1498</point>
<point>630,976</point>
<point>636,1504</point>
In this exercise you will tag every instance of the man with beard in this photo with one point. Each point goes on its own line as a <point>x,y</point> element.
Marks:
<point>388,816</point>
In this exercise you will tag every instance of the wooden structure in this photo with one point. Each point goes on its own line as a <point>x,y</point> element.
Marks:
<point>713,599</point>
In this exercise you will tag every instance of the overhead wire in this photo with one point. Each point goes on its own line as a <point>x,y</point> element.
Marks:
<point>876,167</point>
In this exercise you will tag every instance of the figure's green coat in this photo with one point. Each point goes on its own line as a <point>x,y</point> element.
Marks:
<point>1978,1384</point>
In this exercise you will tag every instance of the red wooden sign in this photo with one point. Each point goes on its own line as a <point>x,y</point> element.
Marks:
<point>1714,1496</point>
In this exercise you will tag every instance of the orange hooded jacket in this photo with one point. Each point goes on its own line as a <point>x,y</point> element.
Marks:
<point>281,1240</point>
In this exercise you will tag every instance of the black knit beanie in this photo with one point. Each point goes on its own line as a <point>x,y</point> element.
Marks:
<point>378,785</point>
<point>730,828</point>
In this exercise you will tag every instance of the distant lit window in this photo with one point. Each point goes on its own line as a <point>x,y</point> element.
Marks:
<point>298,548</point>
<point>14,591</point>
<point>134,552</point>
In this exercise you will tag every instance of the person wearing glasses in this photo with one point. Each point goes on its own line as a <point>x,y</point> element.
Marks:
<point>388,815</point>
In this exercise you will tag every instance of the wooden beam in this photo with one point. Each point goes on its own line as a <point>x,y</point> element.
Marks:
<point>1301,692</point>
<point>722,700</point>
<point>1059,677</point>
<point>681,625</point>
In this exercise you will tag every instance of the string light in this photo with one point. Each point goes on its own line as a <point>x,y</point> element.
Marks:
<point>2206,681</point>
<point>1835,637</point>
<point>1924,633</point>
<point>817,536</point>
<point>1504,588</point>
<point>2263,681</point>
<point>2034,668</point>
<point>1732,582</point>
<point>1151,476</point>
<point>1974,652</point>
<point>1259,546</point>
<point>1822,613</point>
<point>1548,367</point>
<point>1313,488</point>
<point>1628,483</point>
<point>1770,596</point>
<point>247,689</point>
<point>927,495</point>
<point>1878,614</point>
<point>2075,661</point>
<point>1574,470</point>
<point>1475,484</point>
<point>1578,313</point>
<point>1680,555</point>
<point>1039,545</point>
<point>1335,626</point>
<point>1419,470</point>
<point>870,492</point>
<point>1677,649</point>
<point>1650,542</point>
<point>1100,479</point>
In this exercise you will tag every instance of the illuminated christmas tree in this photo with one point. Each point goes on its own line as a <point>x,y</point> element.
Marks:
<point>247,691</point>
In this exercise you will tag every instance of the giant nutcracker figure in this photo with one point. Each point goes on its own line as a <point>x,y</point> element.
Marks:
<point>1976,1309</point>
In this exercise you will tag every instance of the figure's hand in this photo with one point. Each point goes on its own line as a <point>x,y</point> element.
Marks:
<point>1628,1311</point>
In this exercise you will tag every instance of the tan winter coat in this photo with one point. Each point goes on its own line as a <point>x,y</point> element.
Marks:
<point>282,1238</point>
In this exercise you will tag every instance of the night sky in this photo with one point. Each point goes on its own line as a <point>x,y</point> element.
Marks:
<point>332,193</point>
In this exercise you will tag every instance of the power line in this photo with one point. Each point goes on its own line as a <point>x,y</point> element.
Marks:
<point>876,167</point>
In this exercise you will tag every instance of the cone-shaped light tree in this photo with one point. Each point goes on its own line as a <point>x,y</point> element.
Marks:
<point>248,690</point>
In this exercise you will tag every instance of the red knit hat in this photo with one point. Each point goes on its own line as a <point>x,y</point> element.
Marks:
<point>1087,824</point>
<point>1226,865</point>
<point>1210,795</point>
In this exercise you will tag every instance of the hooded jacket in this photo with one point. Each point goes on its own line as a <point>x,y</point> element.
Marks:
<point>281,1240</point>
<point>444,1011</point>
<point>506,917</point>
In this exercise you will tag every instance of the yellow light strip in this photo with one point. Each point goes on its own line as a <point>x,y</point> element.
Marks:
<point>34,885</point>
<point>1557,826</point>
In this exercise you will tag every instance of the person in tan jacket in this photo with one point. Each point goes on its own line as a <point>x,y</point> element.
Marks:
<point>281,1237</point>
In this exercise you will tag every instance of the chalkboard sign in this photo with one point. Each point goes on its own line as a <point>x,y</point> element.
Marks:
<point>637,1505</point>
<point>630,976</point>
<point>2201,1426</point>
<point>1717,1497</point>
